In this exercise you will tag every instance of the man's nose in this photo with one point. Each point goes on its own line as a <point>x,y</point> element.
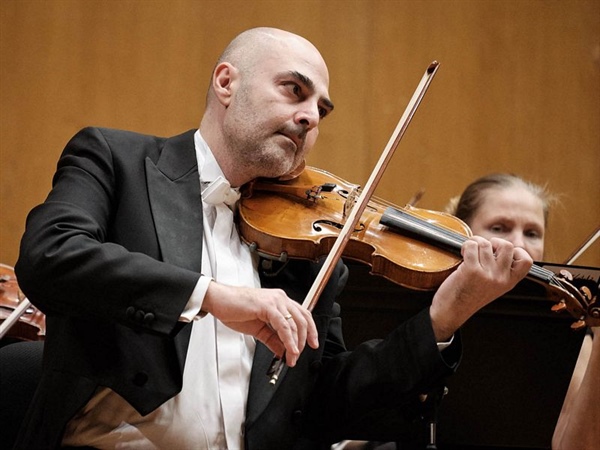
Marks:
<point>308,116</point>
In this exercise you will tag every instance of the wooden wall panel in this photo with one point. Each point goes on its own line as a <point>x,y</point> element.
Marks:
<point>518,90</point>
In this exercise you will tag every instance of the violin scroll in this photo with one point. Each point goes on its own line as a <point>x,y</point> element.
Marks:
<point>580,302</point>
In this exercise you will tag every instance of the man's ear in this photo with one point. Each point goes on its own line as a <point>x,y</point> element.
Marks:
<point>223,82</point>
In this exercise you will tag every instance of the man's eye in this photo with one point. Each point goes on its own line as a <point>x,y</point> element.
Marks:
<point>294,89</point>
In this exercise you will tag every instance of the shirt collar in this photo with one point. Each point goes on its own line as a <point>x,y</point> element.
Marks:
<point>208,167</point>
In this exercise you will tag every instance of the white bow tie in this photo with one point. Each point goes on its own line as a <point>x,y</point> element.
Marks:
<point>220,191</point>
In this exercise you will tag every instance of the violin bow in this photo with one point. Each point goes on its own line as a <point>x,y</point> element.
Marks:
<point>584,246</point>
<point>14,316</point>
<point>361,203</point>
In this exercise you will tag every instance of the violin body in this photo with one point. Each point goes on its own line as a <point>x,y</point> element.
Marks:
<point>31,325</point>
<point>415,248</point>
<point>302,217</point>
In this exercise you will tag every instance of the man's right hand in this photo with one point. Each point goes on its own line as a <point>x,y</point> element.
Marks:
<point>269,315</point>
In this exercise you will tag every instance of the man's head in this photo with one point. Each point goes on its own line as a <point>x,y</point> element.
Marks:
<point>268,93</point>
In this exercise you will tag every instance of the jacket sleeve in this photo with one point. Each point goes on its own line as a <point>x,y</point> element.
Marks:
<point>74,261</point>
<point>375,392</point>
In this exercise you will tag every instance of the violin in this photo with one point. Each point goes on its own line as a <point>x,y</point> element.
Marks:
<point>20,319</point>
<point>409,246</point>
<point>304,216</point>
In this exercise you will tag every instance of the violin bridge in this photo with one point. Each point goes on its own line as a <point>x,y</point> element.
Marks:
<point>350,202</point>
<point>314,193</point>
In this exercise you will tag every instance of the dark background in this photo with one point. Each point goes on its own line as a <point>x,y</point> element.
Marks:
<point>517,362</point>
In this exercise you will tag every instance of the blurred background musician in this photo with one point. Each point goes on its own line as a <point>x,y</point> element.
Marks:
<point>508,206</point>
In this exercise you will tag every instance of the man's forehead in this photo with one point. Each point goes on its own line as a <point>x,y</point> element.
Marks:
<point>297,59</point>
<point>298,51</point>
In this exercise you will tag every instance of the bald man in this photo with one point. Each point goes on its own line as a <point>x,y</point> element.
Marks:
<point>161,323</point>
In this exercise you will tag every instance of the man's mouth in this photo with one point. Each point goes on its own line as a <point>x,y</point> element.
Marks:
<point>293,138</point>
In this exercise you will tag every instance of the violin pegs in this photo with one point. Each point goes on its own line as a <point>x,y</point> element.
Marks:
<point>586,293</point>
<point>578,325</point>
<point>559,306</point>
<point>566,275</point>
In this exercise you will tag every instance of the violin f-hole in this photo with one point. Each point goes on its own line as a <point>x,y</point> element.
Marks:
<point>316,227</point>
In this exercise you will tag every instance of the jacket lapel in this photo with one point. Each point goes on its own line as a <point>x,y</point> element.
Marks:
<point>175,197</point>
<point>261,391</point>
<point>174,190</point>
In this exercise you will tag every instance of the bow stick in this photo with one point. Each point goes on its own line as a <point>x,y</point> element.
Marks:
<point>361,203</point>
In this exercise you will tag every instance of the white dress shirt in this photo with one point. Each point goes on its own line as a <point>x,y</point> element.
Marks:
<point>209,412</point>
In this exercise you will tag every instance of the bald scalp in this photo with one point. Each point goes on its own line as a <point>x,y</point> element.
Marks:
<point>250,48</point>
<point>247,49</point>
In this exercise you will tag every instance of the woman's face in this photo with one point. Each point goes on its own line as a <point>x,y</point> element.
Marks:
<point>514,214</point>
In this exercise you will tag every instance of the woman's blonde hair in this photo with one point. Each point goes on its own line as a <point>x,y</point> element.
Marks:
<point>468,203</point>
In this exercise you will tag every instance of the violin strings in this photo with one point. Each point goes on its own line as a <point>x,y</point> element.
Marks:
<point>399,219</point>
<point>402,220</point>
<point>452,238</point>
